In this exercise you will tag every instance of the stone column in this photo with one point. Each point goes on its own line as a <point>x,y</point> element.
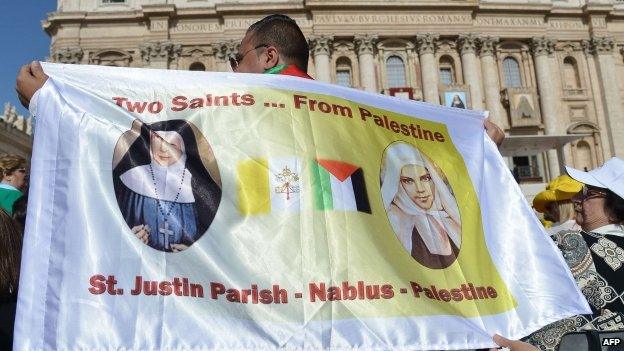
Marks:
<point>365,46</point>
<point>321,51</point>
<point>597,95</point>
<point>467,44</point>
<point>602,49</point>
<point>426,44</point>
<point>491,84</point>
<point>542,47</point>
<point>72,54</point>
<point>157,54</point>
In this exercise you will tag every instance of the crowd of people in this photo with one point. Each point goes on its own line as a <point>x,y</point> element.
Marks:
<point>585,209</point>
<point>13,198</point>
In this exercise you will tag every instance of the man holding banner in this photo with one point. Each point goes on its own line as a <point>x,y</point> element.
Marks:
<point>306,272</point>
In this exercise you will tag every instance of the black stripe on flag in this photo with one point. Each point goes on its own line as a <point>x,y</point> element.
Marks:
<point>359,190</point>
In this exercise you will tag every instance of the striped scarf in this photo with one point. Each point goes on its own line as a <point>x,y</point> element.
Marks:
<point>289,70</point>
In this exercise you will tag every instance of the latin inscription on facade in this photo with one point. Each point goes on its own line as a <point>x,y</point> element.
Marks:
<point>211,27</point>
<point>195,27</point>
<point>598,22</point>
<point>565,24</point>
<point>395,19</point>
<point>509,21</point>
<point>244,23</point>
<point>158,25</point>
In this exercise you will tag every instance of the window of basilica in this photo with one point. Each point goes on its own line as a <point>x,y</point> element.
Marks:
<point>395,70</point>
<point>447,70</point>
<point>344,72</point>
<point>197,66</point>
<point>511,73</point>
<point>571,78</point>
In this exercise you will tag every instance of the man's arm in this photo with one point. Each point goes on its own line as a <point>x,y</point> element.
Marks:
<point>29,79</point>
<point>513,345</point>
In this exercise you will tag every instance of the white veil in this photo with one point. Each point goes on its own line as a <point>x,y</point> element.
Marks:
<point>168,183</point>
<point>444,210</point>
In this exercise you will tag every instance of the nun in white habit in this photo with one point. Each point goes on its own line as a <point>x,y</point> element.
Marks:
<point>165,193</point>
<point>420,206</point>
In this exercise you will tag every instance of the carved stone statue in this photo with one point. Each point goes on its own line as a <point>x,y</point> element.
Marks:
<point>365,43</point>
<point>161,50</point>
<point>68,55</point>
<point>321,45</point>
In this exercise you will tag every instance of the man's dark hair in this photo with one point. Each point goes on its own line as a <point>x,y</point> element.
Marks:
<point>282,32</point>
<point>11,252</point>
<point>19,210</point>
<point>615,206</point>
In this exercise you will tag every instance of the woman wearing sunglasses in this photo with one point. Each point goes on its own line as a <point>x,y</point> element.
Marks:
<point>13,182</point>
<point>595,253</point>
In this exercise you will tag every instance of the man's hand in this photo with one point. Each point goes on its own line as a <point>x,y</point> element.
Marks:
<point>142,232</point>
<point>513,345</point>
<point>494,132</point>
<point>30,79</point>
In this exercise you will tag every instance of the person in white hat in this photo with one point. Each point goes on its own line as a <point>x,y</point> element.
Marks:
<point>599,206</point>
<point>595,254</point>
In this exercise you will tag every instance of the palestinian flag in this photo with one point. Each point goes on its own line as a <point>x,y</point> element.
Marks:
<point>267,185</point>
<point>338,186</point>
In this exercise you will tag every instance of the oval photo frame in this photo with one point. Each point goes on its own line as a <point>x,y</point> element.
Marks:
<point>421,206</point>
<point>167,183</point>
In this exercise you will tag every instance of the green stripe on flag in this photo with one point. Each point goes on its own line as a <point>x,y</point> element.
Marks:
<point>321,186</point>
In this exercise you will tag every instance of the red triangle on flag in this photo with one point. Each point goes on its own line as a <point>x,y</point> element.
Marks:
<point>340,170</point>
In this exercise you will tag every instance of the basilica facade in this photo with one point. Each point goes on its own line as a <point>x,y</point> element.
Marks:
<point>15,133</point>
<point>540,67</point>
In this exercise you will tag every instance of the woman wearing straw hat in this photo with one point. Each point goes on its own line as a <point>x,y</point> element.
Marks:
<point>556,204</point>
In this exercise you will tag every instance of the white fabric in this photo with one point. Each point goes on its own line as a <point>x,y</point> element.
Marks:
<point>75,231</point>
<point>284,199</point>
<point>567,225</point>
<point>342,193</point>
<point>610,175</point>
<point>444,210</point>
<point>611,229</point>
<point>32,105</point>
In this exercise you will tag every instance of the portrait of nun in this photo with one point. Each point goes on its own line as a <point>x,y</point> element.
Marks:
<point>457,102</point>
<point>167,183</point>
<point>421,207</point>
<point>455,99</point>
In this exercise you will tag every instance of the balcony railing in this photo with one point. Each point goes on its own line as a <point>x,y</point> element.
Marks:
<point>529,173</point>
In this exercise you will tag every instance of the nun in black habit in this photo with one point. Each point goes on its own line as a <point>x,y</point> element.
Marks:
<point>164,190</point>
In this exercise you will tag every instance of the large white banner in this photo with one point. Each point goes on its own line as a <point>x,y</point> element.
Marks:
<point>187,210</point>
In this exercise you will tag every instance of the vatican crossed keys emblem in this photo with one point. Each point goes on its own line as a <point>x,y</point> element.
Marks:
<point>289,182</point>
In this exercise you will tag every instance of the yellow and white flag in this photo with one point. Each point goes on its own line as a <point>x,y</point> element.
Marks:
<point>174,210</point>
<point>267,185</point>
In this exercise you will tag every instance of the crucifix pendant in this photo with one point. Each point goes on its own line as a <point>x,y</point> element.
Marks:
<point>167,235</point>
